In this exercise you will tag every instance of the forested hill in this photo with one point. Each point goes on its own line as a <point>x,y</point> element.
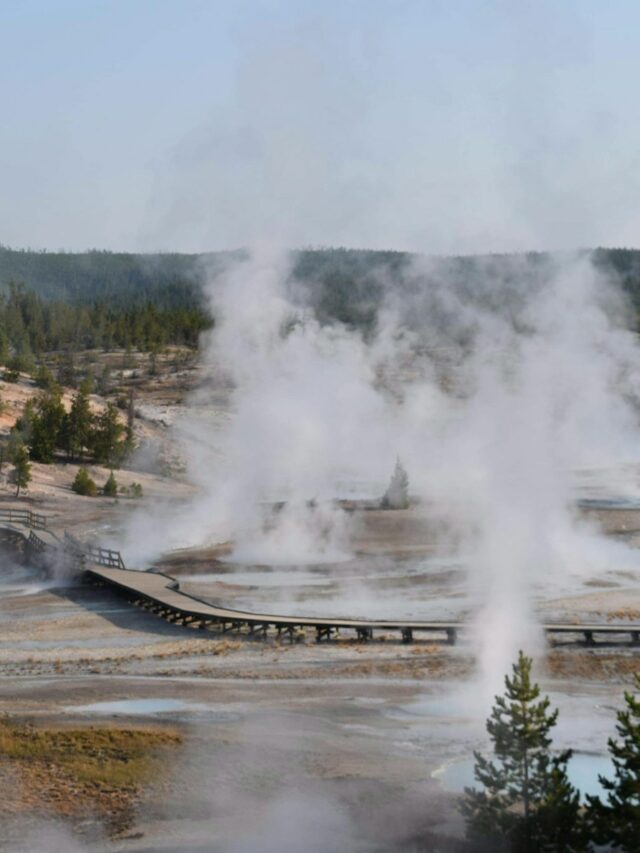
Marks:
<point>174,278</point>
<point>120,279</point>
<point>58,299</point>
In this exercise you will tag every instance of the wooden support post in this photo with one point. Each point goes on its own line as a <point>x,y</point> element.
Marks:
<point>635,638</point>
<point>588,638</point>
<point>451,636</point>
<point>407,635</point>
<point>364,634</point>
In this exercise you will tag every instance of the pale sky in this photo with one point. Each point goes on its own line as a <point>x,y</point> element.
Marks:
<point>431,125</point>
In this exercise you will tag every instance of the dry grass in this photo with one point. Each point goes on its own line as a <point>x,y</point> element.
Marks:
<point>604,666</point>
<point>107,757</point>
<point>75,773</point>
<point>631,613</point>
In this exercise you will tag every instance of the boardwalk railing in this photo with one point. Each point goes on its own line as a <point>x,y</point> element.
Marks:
<point>36,544</point>
<point>80,552</point>
<point>92,553</point>
<point>32,520</point>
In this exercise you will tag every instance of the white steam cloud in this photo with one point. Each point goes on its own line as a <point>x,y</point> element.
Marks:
<point>494,390</point>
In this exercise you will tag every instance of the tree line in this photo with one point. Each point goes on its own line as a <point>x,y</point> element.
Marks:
<point>108,299</point>
<point>527,803</point>
<point>31,325</point>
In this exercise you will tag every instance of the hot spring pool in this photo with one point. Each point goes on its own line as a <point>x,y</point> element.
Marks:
<point>584,769</point>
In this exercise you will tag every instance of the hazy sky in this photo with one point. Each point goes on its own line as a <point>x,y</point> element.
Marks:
<point>434,125</point>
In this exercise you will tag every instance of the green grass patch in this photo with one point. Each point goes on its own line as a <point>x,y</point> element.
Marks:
<point>121,759</point>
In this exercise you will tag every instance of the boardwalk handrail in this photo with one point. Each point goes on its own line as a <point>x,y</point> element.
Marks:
<point>36,543</point>
<point>32,520</point>
<point>93,553</point>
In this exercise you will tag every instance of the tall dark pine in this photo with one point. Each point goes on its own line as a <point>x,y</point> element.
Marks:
<point>21,476</point>
<point>107,437</point>
<point>79,425</point>
<point>616,822</point>
<point>46,424</point>
<point>527,803</point>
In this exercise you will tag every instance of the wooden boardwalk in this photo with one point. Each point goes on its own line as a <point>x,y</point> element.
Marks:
<point>161,594</point>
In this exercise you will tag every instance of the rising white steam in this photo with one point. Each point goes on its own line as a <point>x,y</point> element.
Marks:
<point>301,394</point>
<point>493,389</point>
<point>547,386</point>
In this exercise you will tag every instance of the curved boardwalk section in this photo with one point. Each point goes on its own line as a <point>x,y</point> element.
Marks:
<point>161,594</point>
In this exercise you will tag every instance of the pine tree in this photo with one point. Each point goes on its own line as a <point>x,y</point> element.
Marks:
<point>107,437</point>
<point>83,484</point>
<point>21,476</point>
<point>110,488</point>
<point>78,430</point>
<point>4,346</point>
<point>528,803</point>
<point>616,822</point>
<point>67,370</point>
<point>46,426</point>
<point>44,378</point>
<point>23,427</point>
<point>104,382</point>
<point>12,372</point>
<point>397,494</point>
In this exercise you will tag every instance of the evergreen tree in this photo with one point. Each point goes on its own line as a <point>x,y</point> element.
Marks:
<point>528,804</point>
<point>83,484</point>
<point>78,428</point>
<point>23,427</point>
<point>12,371</point>
<point>107,438</point>
<point>67,370</point>
<point>397,494</point>
<point>21,476</point>
<point>110,488</point>
<point>44,378</point>
<point>616,822</point>
<point>4,346</point>
<point>46,426</point>
<point>104,384</point>
<point>5,455</point>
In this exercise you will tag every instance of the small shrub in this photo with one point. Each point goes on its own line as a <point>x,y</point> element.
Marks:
<point>110,488</point>
<point>84,485</point>
<point>135,490</point>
